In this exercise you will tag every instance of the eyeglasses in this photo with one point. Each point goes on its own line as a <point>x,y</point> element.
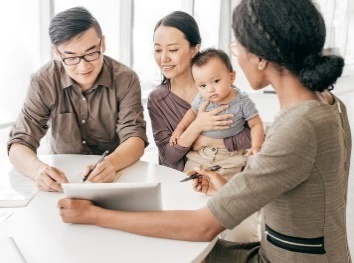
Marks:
<point>233,48</point>
<point>70,61</point>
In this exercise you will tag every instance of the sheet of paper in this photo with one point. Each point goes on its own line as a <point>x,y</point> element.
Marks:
<point>78,178</point>
<point>10,251</point>
<point>16,189</point>
<point>4,215</point>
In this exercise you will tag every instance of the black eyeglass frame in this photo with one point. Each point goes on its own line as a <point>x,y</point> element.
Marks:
<point>84,57</point>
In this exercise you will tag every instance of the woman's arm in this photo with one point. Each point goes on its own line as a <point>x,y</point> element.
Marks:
<point>197,225</point>
<point>162,127</point>
<point>205,121</point>
<point>192,225</point>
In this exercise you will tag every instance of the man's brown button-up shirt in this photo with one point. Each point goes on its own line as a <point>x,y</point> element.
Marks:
<point>88,122</point>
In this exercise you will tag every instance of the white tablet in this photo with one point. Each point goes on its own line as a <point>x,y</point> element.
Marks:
<point>118,196</point>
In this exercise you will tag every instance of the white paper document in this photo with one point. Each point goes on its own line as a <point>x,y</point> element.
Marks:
<point>10,253</point>
<point>16,189</point>
<point>4,215</point>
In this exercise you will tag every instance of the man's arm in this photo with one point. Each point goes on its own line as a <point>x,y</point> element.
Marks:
<point>26,161</point>
<point>130,128</point>
<point>26,134</point>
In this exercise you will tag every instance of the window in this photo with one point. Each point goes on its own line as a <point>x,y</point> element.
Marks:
<point>107,14</point>
<point>207,15</point>
<point>21,54</point>
<point>143,47</point>
<point>128,26</point>
<point>339,19</point>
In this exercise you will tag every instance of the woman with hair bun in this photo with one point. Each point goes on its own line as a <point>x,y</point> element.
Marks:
<point>300,176</point>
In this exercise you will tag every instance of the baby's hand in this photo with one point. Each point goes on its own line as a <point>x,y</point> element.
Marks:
<point>175,135</point>
<point>253,151</point>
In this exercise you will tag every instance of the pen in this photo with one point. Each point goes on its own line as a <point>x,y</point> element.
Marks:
<point>94,167</point>
<point>196,175</point>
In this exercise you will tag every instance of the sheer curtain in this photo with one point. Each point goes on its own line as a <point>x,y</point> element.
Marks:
<point>21,53</point>
<point>144,21</point>
<point>339,19</point>
<point>107,13</point>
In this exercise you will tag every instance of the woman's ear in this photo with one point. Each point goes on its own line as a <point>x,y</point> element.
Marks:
<point>262,64</point>
<point>195,50</point>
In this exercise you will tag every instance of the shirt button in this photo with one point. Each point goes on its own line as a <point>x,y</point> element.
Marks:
<point>83,121</point>
<point>213,149</point>
<point>83,142</point>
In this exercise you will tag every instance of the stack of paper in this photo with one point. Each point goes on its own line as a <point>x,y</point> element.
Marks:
<point>16,189</point>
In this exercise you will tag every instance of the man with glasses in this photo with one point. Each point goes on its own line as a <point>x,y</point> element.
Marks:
<point>91,102</point>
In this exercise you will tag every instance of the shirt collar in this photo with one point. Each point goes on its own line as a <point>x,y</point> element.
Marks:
<point>104,78</point>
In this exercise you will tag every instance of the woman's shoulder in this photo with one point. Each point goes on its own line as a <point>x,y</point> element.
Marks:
<point>158,93</point>
<point>308,114</point>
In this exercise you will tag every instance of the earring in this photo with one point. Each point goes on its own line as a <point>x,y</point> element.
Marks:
<point>260,67</point>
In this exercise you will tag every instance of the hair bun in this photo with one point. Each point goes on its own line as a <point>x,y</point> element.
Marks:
<point>311,61</point>
<point>319,73</point>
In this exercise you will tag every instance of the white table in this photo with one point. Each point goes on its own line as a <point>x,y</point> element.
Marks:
<point>43,238</point>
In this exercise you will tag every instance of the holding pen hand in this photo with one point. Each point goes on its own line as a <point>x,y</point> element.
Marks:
<point>209,182</point>
<point>94,167</point>
<point>102,171</point>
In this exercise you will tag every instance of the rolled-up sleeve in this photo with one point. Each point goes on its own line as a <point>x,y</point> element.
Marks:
<point>130,121</point>
<point>31,124</point>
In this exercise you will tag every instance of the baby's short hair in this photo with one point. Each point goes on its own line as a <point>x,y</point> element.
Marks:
<point>204,56</point>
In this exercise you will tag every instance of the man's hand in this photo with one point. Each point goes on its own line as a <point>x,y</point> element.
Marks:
<point>50,179</point>
<point>103,173</point>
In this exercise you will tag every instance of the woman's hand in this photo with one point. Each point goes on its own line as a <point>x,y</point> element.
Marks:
<point>77,211</point>
<point>211,120</point>
<point>209,183</point>
<point>205,121</point>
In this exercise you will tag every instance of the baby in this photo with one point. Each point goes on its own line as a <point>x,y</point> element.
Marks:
<point>214,76</point>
